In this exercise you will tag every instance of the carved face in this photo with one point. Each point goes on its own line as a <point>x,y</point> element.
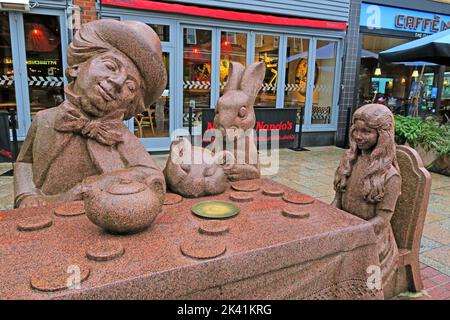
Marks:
<point>366,138</point>
<point>106,83</point>
<point>193,171</point>
<point>233,112</point>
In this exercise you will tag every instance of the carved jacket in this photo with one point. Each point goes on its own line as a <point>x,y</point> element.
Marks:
<point>61,160</point>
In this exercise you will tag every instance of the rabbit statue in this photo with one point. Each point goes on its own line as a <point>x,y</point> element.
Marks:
<point>235,118</point>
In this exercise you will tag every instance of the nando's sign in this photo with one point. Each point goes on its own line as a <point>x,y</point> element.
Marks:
<point>277,124</point>
<point>421,24</point>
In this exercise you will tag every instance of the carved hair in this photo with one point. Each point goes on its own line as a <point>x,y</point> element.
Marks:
<point>383,155</point>
<point>86,44</point>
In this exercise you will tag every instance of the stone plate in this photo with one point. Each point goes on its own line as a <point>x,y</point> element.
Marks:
<point>172,198</point>
<point>70,209</point>
<point>34,223</point>
<point>298,199</point>
<point>59,277</point>
<point>215,209</point>
<point>245,186</point>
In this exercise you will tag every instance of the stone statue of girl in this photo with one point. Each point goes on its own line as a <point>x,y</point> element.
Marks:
<point>368,183</point>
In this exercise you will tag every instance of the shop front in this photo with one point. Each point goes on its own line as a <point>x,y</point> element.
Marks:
<point>413,88</point>
<point>302,58</point>
<point>32,60</point>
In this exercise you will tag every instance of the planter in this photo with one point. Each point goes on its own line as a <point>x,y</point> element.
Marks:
<point>441,165</point>
<point>433,161</point>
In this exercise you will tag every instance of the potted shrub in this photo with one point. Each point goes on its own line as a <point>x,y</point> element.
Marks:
<point>430,139</point>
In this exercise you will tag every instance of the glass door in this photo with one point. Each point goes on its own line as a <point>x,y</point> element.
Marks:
<point>154,124</point>
<point>44,61</point>
<point>296,75</point>
<point>233,47</point>
<point>197,74</point>
<point>33,61</point>
<point>7,84</point>
<point>267,50</point>
<point>325,82</point>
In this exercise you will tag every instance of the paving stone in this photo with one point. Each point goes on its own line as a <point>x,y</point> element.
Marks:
<point>441,255</point>
<point>428,244</point>
<point>437,233</point>
<point>432,217</point>
<point>429,272</point>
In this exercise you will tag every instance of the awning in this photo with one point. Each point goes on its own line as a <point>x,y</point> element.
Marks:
<point>434,48</point>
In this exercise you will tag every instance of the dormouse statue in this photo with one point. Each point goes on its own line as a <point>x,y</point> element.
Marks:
<point>192,171</point>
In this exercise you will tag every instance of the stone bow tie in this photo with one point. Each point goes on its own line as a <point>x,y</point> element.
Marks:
<point>106,132</point>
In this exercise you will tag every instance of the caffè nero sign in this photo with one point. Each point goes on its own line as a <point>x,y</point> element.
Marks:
<point>384,17</point>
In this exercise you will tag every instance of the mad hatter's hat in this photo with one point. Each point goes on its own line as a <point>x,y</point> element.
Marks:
<point>134,39</point>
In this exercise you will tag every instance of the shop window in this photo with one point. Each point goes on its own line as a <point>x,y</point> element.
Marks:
<point>44,61</point>
<point>233,47</point>
<point>196,73</point>
<point>267,51</point>
<point>407,88</point>
<point>296,74</point>
<point>162,31</point>
<point>7,88</point>
<point>446,86</point>
<point>154,121</point>
<point>324,86</point>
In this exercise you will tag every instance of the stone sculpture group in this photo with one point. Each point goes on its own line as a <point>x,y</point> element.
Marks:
<point>81,149</point>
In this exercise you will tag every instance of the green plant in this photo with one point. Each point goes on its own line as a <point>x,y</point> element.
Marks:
<point>429,134</point>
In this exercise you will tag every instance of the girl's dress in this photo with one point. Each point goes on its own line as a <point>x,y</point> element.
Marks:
<point>353,201</point>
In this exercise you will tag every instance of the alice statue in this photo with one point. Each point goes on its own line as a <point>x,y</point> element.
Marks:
<point>368,183</point>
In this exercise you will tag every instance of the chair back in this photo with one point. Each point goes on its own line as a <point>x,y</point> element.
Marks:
<point>409,215</point>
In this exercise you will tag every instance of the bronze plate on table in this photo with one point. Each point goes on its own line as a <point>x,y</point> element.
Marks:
<point>215,209</point>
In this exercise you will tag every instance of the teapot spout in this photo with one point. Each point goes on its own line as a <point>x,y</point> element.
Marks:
<point>87,191</point>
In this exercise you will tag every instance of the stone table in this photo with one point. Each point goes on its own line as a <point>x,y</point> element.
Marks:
<point>273,249</point>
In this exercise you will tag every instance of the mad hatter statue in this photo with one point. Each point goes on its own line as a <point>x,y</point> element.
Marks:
<point>115,69</point>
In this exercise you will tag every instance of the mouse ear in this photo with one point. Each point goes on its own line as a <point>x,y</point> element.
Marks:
<point>252,78</point>
<point>235,73</point>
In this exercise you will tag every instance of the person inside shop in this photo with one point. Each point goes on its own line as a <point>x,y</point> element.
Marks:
<point>115,70</point>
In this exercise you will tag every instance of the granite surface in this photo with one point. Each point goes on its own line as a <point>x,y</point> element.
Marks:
<point>324,255</point>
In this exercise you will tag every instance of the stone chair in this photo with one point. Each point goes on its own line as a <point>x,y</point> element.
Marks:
<point>409,217</point>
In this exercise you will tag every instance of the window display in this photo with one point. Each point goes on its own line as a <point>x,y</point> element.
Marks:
<point>233,47</point>
<point>196,73</point>
<point>296,74</point>
<point>323,89</point>
<point>267,51</point>
<point>44,61</point>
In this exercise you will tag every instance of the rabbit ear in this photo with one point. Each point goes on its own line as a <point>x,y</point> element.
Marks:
<point>252,79</point>
<point>234,76</point>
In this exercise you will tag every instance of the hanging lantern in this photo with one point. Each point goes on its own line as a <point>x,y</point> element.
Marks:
<point>415,73</point>
<point>377,71</point>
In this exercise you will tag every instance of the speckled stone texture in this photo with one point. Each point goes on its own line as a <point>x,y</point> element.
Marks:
<point>409,217</point>
<point>268,256</point>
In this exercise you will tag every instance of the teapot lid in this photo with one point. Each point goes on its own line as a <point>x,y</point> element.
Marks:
<point>125,187</point>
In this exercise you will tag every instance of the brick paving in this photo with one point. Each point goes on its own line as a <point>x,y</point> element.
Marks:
<point>312,172</point>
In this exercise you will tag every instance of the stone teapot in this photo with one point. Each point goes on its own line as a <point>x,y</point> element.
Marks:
<point>124,206</point>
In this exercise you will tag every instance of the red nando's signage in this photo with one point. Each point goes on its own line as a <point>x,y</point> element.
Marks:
<point>271,124</point>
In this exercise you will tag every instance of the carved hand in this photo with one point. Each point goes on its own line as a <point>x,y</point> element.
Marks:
<point>33,201</point>
<point>237,172</point>
<point>378,223</point>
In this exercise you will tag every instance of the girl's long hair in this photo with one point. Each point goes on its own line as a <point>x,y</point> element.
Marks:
<point>383,155</point>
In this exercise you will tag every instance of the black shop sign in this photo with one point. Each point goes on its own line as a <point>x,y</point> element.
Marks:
<point>268,120</point>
